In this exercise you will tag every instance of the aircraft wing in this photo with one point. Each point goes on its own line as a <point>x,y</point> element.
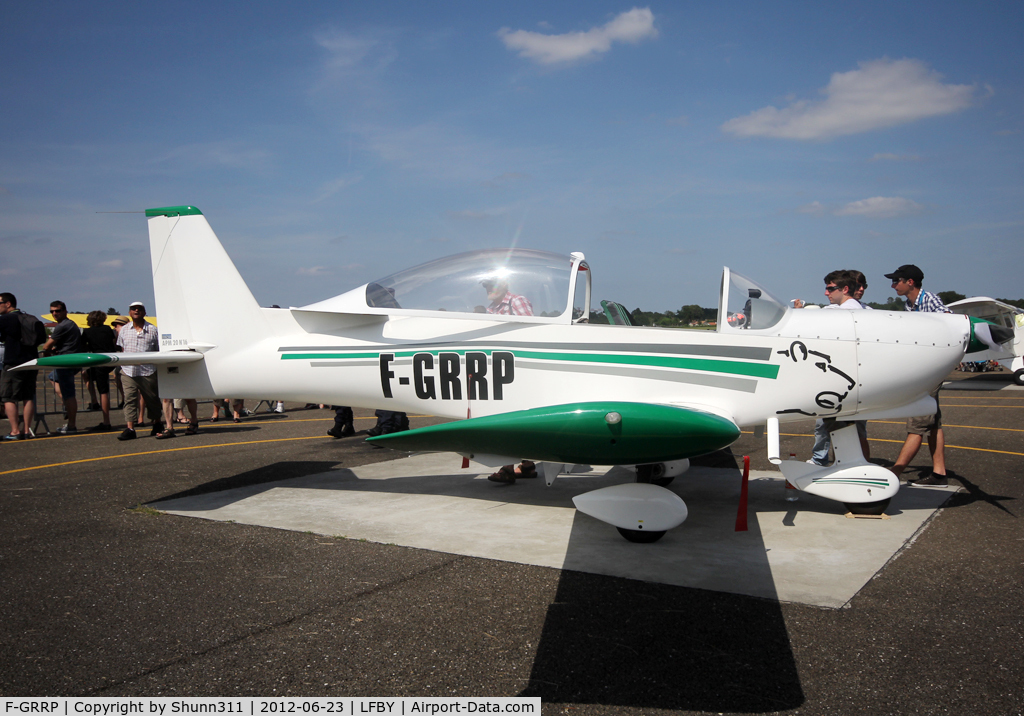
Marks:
<point>604,433</point>
<point>94,360</point>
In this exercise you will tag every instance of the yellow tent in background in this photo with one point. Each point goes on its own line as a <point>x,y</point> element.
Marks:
<point>79,319</point>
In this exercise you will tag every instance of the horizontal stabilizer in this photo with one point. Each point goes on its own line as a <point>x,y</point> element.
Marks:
<point>606,433</point>
<point>95,360</point>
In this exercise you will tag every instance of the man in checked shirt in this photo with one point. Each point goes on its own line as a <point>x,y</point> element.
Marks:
<point>906,282</point>
<point>506,303</point>
<point>139,337</point>
<point>503,301</point>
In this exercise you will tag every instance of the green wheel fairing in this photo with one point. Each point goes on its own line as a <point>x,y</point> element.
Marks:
<point>578,433</point>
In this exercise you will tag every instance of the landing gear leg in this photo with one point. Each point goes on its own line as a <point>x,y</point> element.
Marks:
<point>653,474</point>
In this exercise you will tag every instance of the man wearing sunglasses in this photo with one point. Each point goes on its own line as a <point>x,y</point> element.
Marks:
<point>840,287</point>
<point>64,338</point>
<point>906,282</point>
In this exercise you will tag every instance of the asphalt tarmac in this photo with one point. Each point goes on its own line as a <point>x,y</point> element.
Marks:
<point>104,596</point>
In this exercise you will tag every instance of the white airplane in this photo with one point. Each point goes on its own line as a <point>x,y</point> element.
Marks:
<point>1008,348</point>
<point>545,384</point>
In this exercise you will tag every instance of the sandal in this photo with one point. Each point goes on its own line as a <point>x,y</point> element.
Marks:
<point>169,433</point>
<point>506,475</point>
<point>193,428</point>
<point>527,469</point>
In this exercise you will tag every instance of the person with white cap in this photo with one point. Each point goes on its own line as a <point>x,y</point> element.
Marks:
<point>139,337</point>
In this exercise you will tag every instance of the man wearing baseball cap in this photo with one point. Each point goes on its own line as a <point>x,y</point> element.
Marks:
<point>139,337</point>
<point>906,282</point>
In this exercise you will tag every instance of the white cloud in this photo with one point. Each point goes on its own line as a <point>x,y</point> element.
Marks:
<point>331,188</point>
<point>877,207</point>
<point>632,26</point>
<point>114,264</point>
<point>815,207</point>
<point>881,93</point>
<point>347,52</point>
<point>880,207</point>
<point>478,215</point>
<point>314,271</point>
<point>228,154</point>
<point>887,157</point>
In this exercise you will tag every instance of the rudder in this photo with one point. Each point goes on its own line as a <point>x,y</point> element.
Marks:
<point>194,280</point>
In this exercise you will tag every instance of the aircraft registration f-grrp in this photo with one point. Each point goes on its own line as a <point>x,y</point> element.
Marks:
<point>538,381</point>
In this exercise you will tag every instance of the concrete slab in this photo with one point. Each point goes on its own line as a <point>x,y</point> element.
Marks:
<point>805,551</point>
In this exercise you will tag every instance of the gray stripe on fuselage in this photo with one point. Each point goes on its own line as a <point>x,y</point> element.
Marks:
<point>348,363</point>
<point>744,352</point>
<point>744,385</point>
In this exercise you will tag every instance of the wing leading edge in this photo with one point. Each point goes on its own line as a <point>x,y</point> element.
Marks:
<point>93,360</point>
<point>604,433</point>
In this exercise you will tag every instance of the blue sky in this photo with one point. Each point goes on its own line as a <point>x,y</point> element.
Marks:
<point>331,143</point>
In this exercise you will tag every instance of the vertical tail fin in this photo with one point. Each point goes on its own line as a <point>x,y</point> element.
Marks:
<point>194,280</point>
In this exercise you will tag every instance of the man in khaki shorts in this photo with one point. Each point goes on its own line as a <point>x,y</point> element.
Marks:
<point>906,281</point>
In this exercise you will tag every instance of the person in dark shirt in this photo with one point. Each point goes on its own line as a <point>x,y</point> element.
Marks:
<point>64,339</point>
<point>100,338</point>
<point>20,386</point>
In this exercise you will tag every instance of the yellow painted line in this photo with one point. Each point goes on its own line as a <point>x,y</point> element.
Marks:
<point>180,449</point>
<point>944,404</point>
<point>899,442</point>
<point>157,452</point>
<point>947,425</point>
<point>947,396</point>
<point>181,426</point>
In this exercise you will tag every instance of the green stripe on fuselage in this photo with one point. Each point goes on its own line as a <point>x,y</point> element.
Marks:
<point>757,370</point>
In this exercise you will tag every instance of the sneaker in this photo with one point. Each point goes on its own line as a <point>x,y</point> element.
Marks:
<point>279,408</point>
<point>65,430</point>
<point>101,428</point>
<point>127,434</point>
<point>375,431</point>
<point>344,431</point>
<point>932,480</point>
<point>20,436</point>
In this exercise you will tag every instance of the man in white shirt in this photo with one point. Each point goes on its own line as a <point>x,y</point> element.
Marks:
<point>840,287</point>
<point>139,337</point>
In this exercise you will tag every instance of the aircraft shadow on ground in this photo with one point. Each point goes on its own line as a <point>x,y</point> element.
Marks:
<point>621,642</point>
<point>260,476</point>
<point>612,640</point>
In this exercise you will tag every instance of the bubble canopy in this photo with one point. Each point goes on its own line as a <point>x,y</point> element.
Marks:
<point>471,285</point>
